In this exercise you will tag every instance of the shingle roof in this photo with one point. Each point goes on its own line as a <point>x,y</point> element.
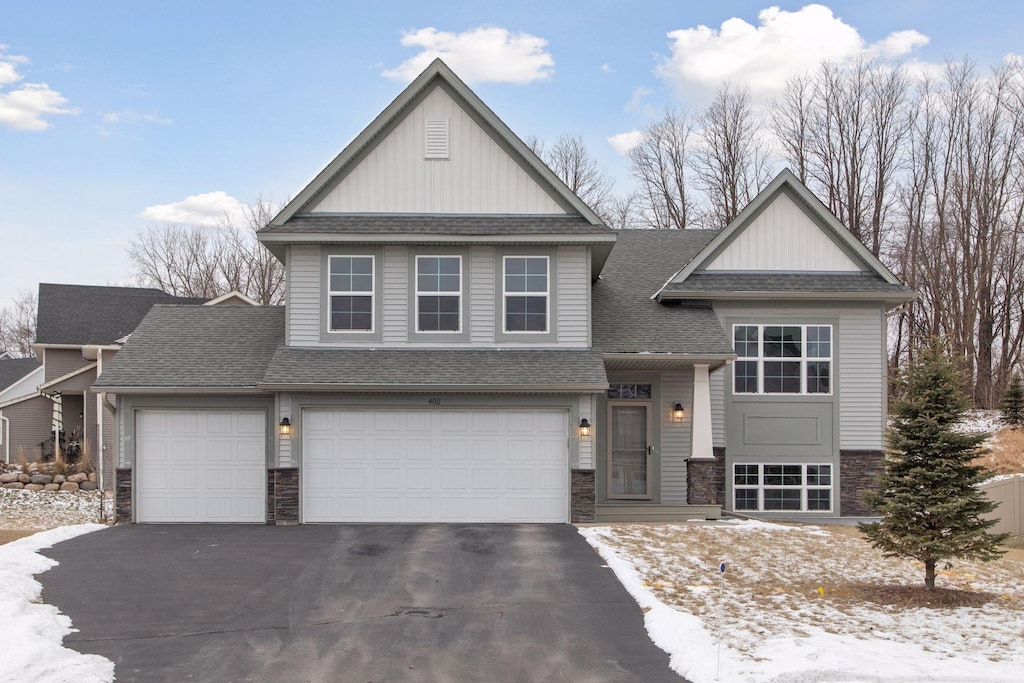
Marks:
<point>438,225</point>
<point>422,367</point>
<point>14,369</point>
<point>627,320</point>
<point>83,314</point>
<point>204,347</point>
<point>812,283</point>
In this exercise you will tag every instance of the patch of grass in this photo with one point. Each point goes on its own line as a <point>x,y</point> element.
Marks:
<point>1006,452</point>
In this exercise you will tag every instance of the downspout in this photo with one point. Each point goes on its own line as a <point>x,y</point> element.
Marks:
<point>114,440</point>
<point>6,421</point>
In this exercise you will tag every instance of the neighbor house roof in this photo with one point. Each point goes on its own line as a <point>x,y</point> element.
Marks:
<point>15,369</point>
<point>227,347</point>
<point>91,315</point>
<point>625,317</point>
<point>703,285</point>
<point>452,369</point>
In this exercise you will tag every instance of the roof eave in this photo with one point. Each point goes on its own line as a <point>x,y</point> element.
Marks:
<point>580,388</point>
<point>888,297</point>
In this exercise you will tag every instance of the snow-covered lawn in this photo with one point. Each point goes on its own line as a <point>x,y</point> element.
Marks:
<point>27,510</point>
<point>810,603</point>
<point>31,632</point>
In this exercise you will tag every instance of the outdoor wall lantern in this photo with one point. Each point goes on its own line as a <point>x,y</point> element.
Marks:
<point>677,413</point>
<point>285,426</point>
<point>584,428</point>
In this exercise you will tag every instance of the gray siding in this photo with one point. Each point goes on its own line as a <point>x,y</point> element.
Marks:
<point>303,296</point>
<point>676,387</point>
<point>481,304</point>
<point>573,294</point>
<point>395,303</point>
<point>718,408</point>
<point>59,362</point>
<point>30,424</point>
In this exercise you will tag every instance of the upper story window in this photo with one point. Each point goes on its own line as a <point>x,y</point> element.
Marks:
<point>782,359</point>
<point>526,293</point>
<point>351,293</point>
<point>438,293</point>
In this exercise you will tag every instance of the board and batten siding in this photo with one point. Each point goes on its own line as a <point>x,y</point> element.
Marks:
<point>571,285</point>
<point>479,175</point>
<point>783,238</point>
<point>676,387</point>
<point>59,362</point>
<point>860,342</point>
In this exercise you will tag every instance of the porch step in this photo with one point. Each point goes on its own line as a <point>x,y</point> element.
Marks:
<point>647,512</point>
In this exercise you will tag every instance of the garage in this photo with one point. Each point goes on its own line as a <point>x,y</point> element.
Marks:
<point>443,465</point>
<point>200,466</point>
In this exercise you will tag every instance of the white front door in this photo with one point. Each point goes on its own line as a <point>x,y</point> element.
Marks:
<point>200,466</point>
<point>450,465</point>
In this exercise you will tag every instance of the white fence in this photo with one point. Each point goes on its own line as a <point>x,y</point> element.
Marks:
<point>1009,493</point>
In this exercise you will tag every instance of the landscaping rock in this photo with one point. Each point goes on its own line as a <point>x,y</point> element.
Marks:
<point>78,478</point>
<point>51,487</point>
<point>69,486</point>
<point>33,487</point>
<point>9,477</point>
<point>33,467</point>
<point>88,486</point>
<point>14,485</point>
<point>24,478</point>
<point>92,476</point>
<point>41,479</point>
<point>59,479</point>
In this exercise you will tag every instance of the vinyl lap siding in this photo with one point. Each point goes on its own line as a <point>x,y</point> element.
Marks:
<point>284,446</point>
<point>396,307</point>
<point>573,292</point>
<point>59,362</point>
<point>676,387</point>
<point>718,408</point>
<point>482,300</point>
<point>304,295</point>
<point>586,461</point>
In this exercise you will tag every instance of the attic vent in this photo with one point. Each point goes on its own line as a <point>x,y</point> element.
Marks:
<point>437,139</point>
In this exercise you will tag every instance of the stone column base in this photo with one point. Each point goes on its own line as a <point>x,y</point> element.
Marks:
<point>583,496</point>
<point>123,495</point>
<point>858,472</point>
<point>283,496</point>
<point>705,480</point>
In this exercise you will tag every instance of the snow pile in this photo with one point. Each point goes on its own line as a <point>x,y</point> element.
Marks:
<point>21,509</point>
<point>31,632</point>
<point>765,620</point>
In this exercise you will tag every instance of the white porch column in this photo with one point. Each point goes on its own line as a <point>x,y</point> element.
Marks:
<point>702,447</point>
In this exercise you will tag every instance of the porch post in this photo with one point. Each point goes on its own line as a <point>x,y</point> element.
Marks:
<point>702,446</point>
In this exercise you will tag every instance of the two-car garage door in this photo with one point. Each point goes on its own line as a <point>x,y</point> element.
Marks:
<point>441,465</point>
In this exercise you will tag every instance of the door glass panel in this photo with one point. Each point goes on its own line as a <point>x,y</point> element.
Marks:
<point>629,451</point>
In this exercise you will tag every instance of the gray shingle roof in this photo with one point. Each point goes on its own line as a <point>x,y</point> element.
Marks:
<point>83,314</point>
<point>813,283</point>
<point>13,369</point>
<point>459,367</point>
<point>438,225</point>
<point>627,320</point>
<point>204,347</point>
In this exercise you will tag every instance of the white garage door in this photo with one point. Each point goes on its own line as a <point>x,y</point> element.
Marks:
<point>435,466</point>
<point>200,466</point>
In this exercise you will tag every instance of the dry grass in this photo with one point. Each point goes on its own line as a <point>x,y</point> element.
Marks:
<point>8,535</point>
<point>1006,452</point>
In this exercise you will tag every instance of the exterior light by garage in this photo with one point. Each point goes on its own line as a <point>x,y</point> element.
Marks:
<point>285,427</point>
<point>677,413</point>
<point>584,428</point>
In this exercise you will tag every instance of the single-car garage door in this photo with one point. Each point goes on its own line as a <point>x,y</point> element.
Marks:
<point>200,466</point>
<point>435,466</point>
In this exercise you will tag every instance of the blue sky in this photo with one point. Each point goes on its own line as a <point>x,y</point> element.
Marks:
<point>115,114</point>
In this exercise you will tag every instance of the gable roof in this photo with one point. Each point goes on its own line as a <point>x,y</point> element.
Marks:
<point>13,370</point>
<point>785,180</point>
<point>436,74</point>
<point>84,315</point>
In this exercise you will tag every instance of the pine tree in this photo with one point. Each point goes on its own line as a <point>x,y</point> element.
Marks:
<point>1013,403</point>
<point>928,497</point>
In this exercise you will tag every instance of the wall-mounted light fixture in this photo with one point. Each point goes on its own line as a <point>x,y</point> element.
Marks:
<point>677,413</point>
<point>584,428</point>
<point>285,427</point>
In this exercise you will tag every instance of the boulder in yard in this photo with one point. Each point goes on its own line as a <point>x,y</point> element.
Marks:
<point>9,477</point>
<point>78,478</point>
<point>69,486</point>
<point>51,487</point>
<point>14,485</point>
<point>33,487</point>
<point>41,479</point>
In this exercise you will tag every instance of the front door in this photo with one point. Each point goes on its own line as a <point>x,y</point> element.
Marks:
<point>629,449</point>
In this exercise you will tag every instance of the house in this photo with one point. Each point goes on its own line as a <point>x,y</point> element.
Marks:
<point>464,340</point>
<point>79,329</point>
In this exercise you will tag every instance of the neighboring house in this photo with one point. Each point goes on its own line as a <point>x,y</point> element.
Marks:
<point>19,378</point>
<point>464,340</point>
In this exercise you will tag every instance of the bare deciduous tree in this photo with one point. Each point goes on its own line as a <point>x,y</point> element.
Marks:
<point>572,162</point>
<point>658,163</point>
<point>18,325</point>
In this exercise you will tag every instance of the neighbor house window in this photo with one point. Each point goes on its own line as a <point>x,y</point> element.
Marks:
<point>765,487</point>
<point>351,293</point>
<point>526,292</point>
<point>438,293</point>
<point>782,359</point>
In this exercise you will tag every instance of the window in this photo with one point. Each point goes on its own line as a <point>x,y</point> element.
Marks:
<point>438,293</point>
<point>640,391</point>
<point>526,293</point>
<point>778,487</point>
<point>782,359</point>
<point>351,293</point>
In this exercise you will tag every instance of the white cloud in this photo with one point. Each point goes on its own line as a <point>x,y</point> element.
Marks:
<point>479,55</point>
<point>114,120</point>
<point>608,68</point>
<point>210,209</point>
<point>637,102</point>
<point>783,44</point>
<point>623,142</point>
<point>24,107</point>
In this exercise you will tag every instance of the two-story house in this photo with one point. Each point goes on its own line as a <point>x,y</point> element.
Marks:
<point>464,340</point>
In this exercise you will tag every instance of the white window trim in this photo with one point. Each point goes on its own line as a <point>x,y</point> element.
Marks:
<point>457,293</point>
<point>803,360</point>
<point>372,294</point>
<point>804,487</point>
<point>505,294</point>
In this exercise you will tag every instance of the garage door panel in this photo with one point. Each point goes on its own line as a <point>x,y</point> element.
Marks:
<point>183,423</point>
<point>452,465</point>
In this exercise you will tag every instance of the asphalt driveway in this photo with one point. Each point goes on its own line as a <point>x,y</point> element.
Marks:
<point>350,603</point>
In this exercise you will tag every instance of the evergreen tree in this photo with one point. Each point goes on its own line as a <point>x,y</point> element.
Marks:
<point>928,497</point>
<point>1013,403</point>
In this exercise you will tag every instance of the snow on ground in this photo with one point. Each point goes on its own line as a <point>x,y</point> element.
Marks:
<point>20,509</point>
<point>31,632</point>
<point>765,619</point>
<point>974,421</point>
